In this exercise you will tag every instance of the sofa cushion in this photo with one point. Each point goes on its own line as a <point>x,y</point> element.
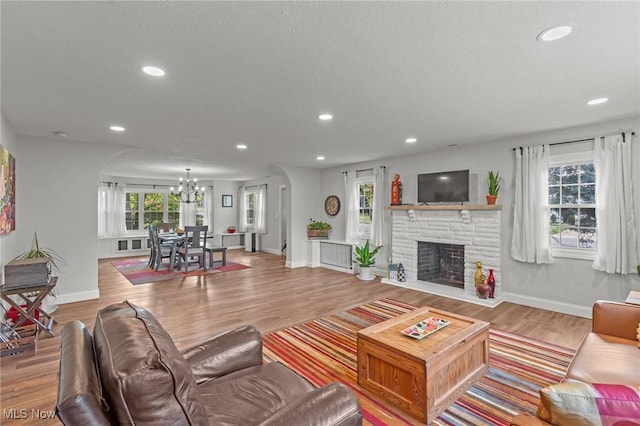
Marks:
<point>258,392</point>
<point>146,379</point>
<point>589,404</point>
<point>593,361</point>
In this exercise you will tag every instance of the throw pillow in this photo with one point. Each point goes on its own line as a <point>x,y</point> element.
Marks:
<point>574,403</point>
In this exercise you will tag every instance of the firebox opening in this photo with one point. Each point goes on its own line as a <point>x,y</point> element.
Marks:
<point>441,263</point>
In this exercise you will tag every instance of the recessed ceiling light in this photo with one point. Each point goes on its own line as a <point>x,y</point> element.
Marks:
<point>555,33</point>
<point>597,101</point>
<point>241,146</point>
<point>117,128</point>
<point>325,117</point>
<point>320,157</point>
<point>60,134</point>
<point>154,71</point>
<point>411,140</point>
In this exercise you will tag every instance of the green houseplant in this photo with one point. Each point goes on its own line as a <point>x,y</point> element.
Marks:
<point>493,184</point>
<point>366,258</point>
<point>318,229</point>
<point>37,252</point>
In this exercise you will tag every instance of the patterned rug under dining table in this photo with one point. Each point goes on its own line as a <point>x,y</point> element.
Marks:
<point>423,376</point>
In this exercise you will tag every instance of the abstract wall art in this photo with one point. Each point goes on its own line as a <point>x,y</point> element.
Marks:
<point>7,191</point>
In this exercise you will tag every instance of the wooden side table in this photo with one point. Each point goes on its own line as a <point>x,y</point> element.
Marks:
<point>39,291</point>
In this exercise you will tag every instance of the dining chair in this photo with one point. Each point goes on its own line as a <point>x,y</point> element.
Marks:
<point>161,251</point>
<point>165,226</point>
<point>195,245</point>
<point>152,254</point>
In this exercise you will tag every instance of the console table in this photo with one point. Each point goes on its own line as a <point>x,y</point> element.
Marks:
<point>32,295</point>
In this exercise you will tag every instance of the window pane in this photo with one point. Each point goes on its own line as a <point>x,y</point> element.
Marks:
<point>554,216</point>
<point>131,220</point>
<point>570,194</point>
<point>588,218</point>
<point>554,175</point>
<point>587,238</point>
<point>153,208</point>
<point>588,173</point>
<point>554,195</point>
<point>587,194</point>
<point>569,216</point>
<point>566,238</point>
<point>570,174</point>
<point>131,201</point>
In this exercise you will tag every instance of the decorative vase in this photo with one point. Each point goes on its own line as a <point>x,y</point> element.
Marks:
<point>365,274</point>
<point>479,276</point>
<point>491,199</point>
<point>402,277</point>
<point>482,290</point>
<point>491,282</point>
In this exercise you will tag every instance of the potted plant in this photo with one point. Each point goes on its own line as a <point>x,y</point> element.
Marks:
<point>493,183</point>
<point>318,229</point>
<point>366,258</point>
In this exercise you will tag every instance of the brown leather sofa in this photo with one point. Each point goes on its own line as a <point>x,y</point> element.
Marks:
<point>607,355</point>
<point>130,372</point>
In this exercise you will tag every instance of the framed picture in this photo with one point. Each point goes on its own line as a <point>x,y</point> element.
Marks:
<point>7,191</point>
<point>227,201</point>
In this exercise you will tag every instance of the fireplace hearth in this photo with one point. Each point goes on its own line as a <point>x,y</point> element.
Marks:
<point>441,263</point>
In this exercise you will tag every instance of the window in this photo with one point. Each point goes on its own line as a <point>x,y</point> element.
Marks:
<point>199,212</point>
<point>132,211</point>
<point>152,207</point>
<point>250,207</point>
<point>572,206</point>
<point>153,212</point>
<point>365,209</point>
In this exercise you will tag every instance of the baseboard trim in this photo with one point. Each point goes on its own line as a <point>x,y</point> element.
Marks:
<point>61,299</point>
<point>271,251</point>
<point>550,305</point>
<point>299,264</point>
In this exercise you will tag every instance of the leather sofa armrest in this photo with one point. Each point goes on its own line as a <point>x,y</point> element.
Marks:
<point>616,319</point>
<point>524,419</point>
<point>225,353</point>
<point>331,405</point>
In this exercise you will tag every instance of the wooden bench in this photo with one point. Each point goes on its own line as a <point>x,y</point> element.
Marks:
<point>210,248</point>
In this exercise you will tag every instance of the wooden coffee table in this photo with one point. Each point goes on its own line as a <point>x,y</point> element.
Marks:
<point>423,377</point>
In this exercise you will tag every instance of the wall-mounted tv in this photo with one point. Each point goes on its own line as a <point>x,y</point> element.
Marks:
<point>444,187</point>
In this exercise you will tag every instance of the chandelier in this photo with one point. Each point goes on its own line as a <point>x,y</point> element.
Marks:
<point>189,191</point>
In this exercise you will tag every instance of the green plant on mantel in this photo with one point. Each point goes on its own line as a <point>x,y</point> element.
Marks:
<point>38,252</point>
<point>493,182</point>
<point>639,270</point>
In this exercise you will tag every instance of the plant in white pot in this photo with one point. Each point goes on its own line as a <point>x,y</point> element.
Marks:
<point>366,258</point>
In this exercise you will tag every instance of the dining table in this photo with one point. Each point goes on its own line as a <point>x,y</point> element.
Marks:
<point>177,241</point>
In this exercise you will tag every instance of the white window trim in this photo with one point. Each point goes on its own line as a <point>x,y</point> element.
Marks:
<point>141,191</point>
<point>565,160</point>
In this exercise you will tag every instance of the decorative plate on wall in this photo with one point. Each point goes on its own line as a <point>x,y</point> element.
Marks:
<point>332,205</point>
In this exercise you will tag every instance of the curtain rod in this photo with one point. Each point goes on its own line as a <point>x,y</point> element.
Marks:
<point>364,170</point>
<point>582,140</point>
<point>145,185</point>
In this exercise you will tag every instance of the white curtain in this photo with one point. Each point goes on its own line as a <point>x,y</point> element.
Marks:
<point>207,205</point>
<point>260,222</point>
<point>616,250</point>
<point>530,240</point>
<point>351,206</point>
<point>187,214</point>
<point>377,219</point>
<point>242,213</point>
<point>111,210</point>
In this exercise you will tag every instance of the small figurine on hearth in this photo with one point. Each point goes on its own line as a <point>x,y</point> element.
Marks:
<point>402,277</point>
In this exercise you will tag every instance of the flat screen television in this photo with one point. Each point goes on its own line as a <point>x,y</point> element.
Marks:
<point>444,187</point>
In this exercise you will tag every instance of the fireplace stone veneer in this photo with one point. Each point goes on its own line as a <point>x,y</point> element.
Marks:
<point>478,229</point>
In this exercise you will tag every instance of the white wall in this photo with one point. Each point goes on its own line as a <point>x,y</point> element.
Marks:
<point>57,198</point>
<point>567,285</point>
<point>305,203</point>
<point>8,247</point>
<point>270,241</point>
<point>223,217</point>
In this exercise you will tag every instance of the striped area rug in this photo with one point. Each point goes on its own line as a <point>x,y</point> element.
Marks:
<point>324,351</point>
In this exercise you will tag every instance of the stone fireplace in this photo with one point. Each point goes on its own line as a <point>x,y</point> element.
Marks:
<point>466,234</point>
<point>441,263</point>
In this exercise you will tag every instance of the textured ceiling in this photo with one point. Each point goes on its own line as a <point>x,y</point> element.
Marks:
<point>260,72</point>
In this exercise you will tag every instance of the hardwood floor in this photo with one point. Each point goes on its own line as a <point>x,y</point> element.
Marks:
<point>268,296</point>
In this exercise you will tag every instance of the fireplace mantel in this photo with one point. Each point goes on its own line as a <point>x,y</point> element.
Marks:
<point>447,207</point>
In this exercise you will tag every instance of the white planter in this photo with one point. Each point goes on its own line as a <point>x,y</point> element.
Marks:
<point>365,274</point>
